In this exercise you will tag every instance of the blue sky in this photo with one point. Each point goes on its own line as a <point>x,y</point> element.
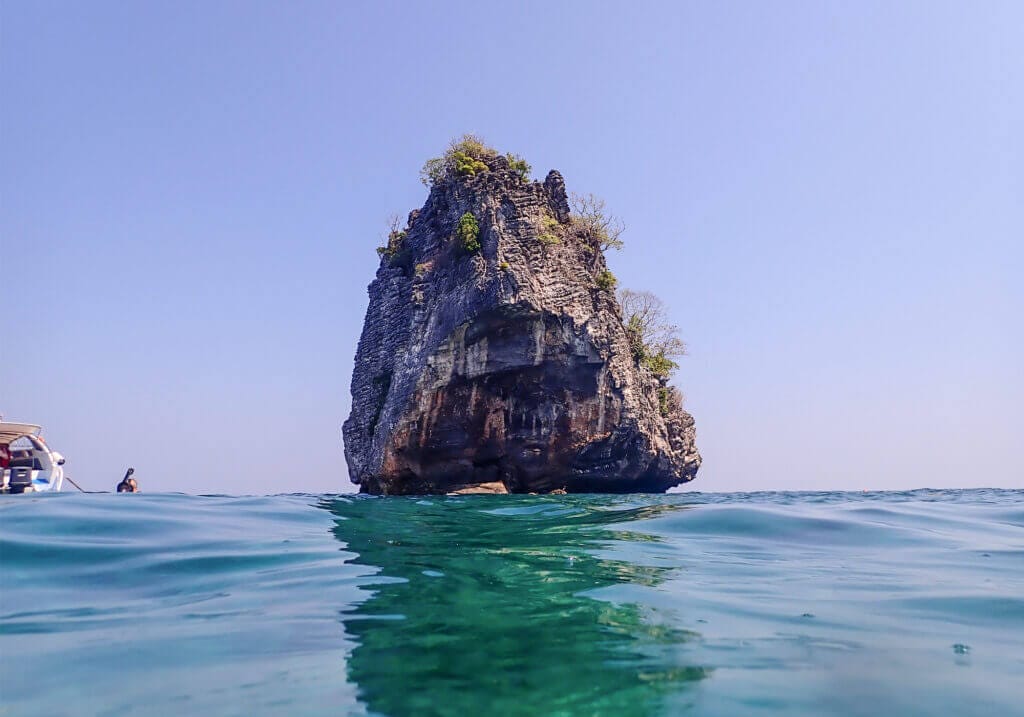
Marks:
<point>828,195</point>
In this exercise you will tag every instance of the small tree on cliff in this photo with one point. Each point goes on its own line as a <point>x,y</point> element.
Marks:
<point>654,341</point>
<point>519,165</point>
<point>393,238</point>
<point>603,228</point>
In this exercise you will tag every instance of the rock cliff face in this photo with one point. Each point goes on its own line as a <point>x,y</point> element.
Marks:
<point>504,368</point>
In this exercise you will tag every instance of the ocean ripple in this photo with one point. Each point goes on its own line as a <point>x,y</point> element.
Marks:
<point>716,604</point>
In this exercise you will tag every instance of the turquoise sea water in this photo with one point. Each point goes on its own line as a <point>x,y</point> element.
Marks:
<point>740,604</point>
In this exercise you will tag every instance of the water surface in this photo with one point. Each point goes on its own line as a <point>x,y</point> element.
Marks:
<point>767,603</point>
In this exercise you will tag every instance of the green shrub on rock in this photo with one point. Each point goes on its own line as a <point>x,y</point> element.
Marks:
<point>606,280</point>
<point>635,335</point>
<point>468,233</point>
<point>653,357</point>
<point>473,145</point>
<point>469,156</point>
<point>660,365</point>
<point>467,165</point>
<point>434,169</point>
<point>653,341</point>
<point>670,400</point>
<point>394,241</point>
<point>549,232</point>
<point>519,165</point>
<point>463,158</point>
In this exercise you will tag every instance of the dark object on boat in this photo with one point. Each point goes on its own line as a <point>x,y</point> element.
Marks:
<point>128,484</point>
<point>20,479</point>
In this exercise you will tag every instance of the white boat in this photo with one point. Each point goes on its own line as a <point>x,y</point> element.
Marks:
<point>27,463</point>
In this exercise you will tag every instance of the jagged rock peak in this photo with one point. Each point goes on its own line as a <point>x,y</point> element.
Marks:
<point>494,353</point>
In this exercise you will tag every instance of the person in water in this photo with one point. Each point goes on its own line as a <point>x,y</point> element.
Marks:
<point>128,484</point>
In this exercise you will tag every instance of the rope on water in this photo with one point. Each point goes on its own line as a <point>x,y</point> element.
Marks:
<point>73,483</point>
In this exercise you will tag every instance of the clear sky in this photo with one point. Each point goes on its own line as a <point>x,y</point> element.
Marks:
<point>828,195</point>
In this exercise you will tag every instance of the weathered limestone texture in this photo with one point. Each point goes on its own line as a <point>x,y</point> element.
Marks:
<point>507,366</point>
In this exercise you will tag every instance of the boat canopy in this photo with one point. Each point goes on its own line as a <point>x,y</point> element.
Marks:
<point>10,432</point>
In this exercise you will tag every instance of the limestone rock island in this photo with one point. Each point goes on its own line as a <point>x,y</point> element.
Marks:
<point>494,356</point>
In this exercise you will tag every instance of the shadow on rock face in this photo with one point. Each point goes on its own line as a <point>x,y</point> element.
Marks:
<point>487,605</point>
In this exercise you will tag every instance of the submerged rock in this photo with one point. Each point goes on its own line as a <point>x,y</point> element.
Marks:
<point>504,364</point>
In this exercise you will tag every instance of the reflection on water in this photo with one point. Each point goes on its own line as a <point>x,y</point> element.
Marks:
<point>483,606</point>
